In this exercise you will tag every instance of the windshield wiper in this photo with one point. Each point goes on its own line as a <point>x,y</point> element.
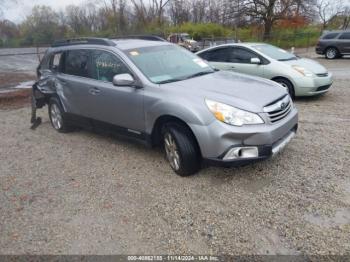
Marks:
<point>184,78</point>
<point>288,59</point>
<point>199,74</point>
<point>170,81</point>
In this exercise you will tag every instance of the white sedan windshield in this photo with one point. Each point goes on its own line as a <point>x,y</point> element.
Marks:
<point>275,52</point>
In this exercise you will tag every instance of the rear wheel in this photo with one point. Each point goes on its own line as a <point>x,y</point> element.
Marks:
<point>287,85</point>
<point>332,53</point>
<point>57,117</point>
<point>181,149</point>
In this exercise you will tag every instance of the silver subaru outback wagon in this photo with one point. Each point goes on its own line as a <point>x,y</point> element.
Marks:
<point>162,94</point>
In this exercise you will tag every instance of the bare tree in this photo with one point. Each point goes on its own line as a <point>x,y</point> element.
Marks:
<point>267,11</point>
<point>346,18</point>
<point>157,9</point>
<point>328,10</point>
<point>180,11</point>
<point>198,10</point>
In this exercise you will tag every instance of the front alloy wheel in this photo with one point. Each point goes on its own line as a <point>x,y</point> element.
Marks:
<point>181,149</point>
<point>172,153</point>
<point>56,117</point>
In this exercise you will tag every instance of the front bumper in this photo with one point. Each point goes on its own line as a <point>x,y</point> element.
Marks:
<point>310,86</point>
<point>217,139</point>
<point>264,151</point>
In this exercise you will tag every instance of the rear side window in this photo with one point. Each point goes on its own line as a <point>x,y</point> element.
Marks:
<point>44,64</point>
<point>217,55</point>
<point>56,62</point>
<point>105,66</point>
<point>345,36</point>
<point>330,36</point>
<point>77,63</point>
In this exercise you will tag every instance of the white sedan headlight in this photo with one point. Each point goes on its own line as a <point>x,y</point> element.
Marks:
<point>231,115</point>
<point>302,71</point>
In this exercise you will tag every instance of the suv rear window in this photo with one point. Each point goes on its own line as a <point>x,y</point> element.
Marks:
<point>345,36</point>
<point>330,36</point>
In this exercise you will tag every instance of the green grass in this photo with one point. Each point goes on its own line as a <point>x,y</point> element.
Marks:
<point>284,38</point>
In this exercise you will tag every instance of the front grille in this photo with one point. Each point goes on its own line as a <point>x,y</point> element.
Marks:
<point>322,75</point>
<point>279,110</point>
<point>322,88</point>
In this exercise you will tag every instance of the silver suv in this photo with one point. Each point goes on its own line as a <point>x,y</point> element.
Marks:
<point>162,94</point>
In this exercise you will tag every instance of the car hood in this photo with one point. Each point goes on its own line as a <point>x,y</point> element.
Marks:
<point>242,91</point>
<point>308,64</point>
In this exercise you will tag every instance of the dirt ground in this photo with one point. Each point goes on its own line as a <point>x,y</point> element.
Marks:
<point>8,79</point>
<point>84,193</point>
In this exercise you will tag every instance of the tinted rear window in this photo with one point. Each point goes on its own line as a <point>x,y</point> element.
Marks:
<point>345,36</point>
<point>216,55</point>
<point>330,36</point>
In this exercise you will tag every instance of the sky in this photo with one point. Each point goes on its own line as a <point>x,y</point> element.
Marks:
<point>18,11</point>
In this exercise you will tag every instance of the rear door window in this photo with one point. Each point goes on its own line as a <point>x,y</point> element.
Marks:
<point>217,55</point>
<point>77,63</point>
<point>345,36</point>
<point>105,66</point>
<point>330,36</point>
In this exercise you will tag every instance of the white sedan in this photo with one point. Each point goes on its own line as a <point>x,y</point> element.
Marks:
<point>300,76</point>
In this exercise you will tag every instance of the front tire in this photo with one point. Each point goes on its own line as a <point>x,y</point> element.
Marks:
<point>332,53</point>
<point>57,118</point>
<point>181,149</point>
<point>287,85</point>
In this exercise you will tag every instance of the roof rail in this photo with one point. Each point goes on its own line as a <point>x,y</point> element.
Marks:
<point>84,41</point>
<point>142,37</point>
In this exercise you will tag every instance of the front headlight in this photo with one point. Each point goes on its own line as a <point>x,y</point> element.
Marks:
<point>302,71</point>
<point>231,115</point>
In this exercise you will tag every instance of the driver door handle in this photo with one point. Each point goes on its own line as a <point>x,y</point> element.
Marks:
<point>94,91</point>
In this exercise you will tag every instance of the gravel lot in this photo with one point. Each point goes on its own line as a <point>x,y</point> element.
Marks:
<point>84,193</point>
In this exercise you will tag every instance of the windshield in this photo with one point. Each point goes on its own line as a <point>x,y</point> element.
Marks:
<point>186,37</point>
<point>168,63</point>
<point>275,52</point>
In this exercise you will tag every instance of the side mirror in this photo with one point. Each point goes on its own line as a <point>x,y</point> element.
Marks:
<point>255,60</point>
<point>123,80</point>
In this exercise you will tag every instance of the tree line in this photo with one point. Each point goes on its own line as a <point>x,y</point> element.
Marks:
<point>110,18</point>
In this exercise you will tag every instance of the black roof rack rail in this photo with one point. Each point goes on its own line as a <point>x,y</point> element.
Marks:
<point>84,41</point>
<point>142,37</point>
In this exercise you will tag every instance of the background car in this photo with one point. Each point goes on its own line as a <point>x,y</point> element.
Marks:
<point>184,40</point>
<point>334,44</point>
<point>300,76</point>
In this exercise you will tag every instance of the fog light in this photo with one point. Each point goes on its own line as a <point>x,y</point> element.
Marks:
<point>241,153</point>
